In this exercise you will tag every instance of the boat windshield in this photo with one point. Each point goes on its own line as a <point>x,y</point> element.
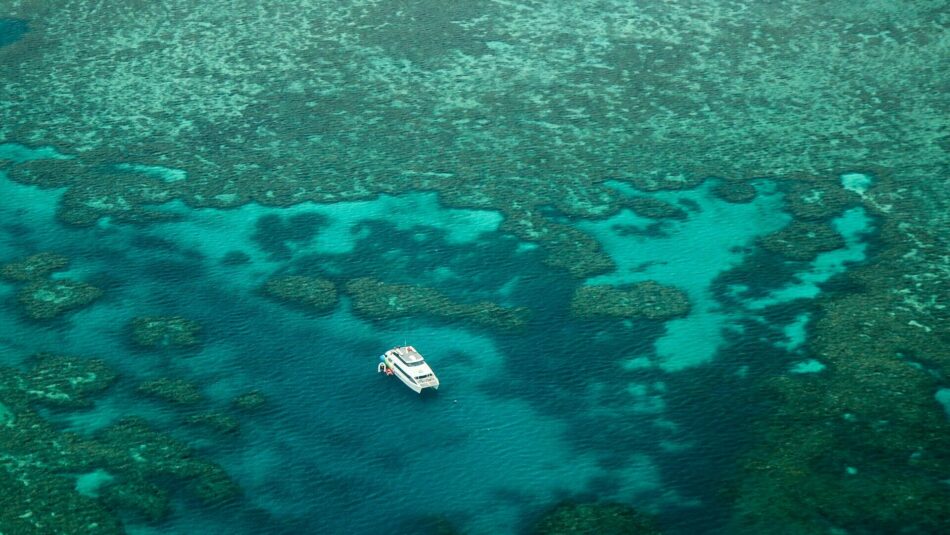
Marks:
<point>411,360</point>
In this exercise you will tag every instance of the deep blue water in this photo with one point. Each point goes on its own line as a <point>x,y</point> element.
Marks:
<point>11,30</point>
<point>643,412</point>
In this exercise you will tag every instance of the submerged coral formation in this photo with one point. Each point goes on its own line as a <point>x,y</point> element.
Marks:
<point>148,454</point>
<point>250,401</point>
<point>512,112</point>
<point>379,300</point>
<point>647,299</point>
<point>35,499</point>
<point>33,267</point>
<point>595,519</point>
<point>66,381</point>
<point>165,331</point>
<point>655,208</point>
<point>648,60</point>
<point>660,95</point>
<point>177,391</point>
<point>42,297</point>
<point>803,240</point>
<point>817,200</point>
<point>863,446</point>
<point>143,500</point>
<point>734,191</point>
<point>214,421</point>
<point>61,482</point>
<point>311,293</point>
<point>47,299</point>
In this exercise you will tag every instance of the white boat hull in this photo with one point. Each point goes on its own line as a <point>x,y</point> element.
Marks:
<point>409,367</point>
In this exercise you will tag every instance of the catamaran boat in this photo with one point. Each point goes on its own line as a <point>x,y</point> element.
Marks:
<point>408,365</point>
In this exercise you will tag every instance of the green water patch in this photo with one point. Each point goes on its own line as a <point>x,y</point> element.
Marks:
<point>11,30</point>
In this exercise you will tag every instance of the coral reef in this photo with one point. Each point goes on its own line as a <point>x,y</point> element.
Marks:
<point>165,331</point>
<point>39,464</point>
<point>31,268</point>
<point>156,455</point>
<point>813,199</point>
<point>38,500</point>
<point>47,299</point>
<point>734,191</point>
<point>99,191</point>
<point>250,401</point>
<point>215,421</point>
<point>521,115</point>
<point>146,501</point>
<point>574,251</point>
<point>676,93</point>
<point>66,381</point>
<point>595,519</point>
<point>864,446</point>
<point>655,208</point>
<point>658,182</point>
<point>379,300</point>
<point>311,293</point>
<point>647,299</point>
<point>176,391</point>
<point>565,247</point>
<point>42,297</point>
<point>45,173</point>
<point>803,240</point>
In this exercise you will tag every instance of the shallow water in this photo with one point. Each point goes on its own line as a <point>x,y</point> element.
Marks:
<point>515,426</point>
<point>407,142</point>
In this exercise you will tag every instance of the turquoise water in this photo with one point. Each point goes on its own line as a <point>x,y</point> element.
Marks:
<point>501,152</point>
<point>11,30</point>
<point>943,397</point>
<point>389,449</point>
<point>808,366</point>
<point>513,428</point>
<point>689,254</point>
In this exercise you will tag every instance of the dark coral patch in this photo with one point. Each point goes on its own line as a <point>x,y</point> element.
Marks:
<point>644,299</point>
